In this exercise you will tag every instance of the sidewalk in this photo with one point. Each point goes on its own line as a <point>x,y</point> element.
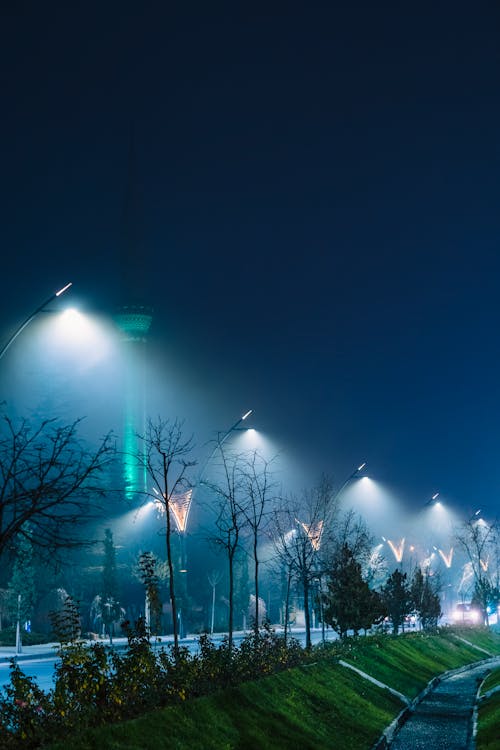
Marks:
<point>443,720</point>
<point>46,650</point>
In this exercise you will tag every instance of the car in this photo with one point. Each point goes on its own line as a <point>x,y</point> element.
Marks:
<point>466,613</point>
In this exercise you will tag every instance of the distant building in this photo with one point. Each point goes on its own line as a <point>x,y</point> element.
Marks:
<point>133,317</point>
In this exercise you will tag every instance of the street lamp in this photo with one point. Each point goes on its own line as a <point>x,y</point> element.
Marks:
<point>30,317</point>
<point>350,478</point>
<point>434,500</point>
<point>235,428</point>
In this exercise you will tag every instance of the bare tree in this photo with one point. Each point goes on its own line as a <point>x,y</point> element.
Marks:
<point>165,459</point>
<point>50,482</point>
<point>214,577</point>
<point>230,498</point>
<point>259,489</point>
<point>479,540</point>
<point>301,525</point>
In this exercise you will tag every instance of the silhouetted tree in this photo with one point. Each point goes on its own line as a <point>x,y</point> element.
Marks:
<point>258,495</point>
<point>301,525</point>
<point>480,542</point>
<point>165,459</point>
<point>397,600</point>
<point>229,499</point>
<point>50,483</point>
<point>21,589</point>
<point>425,599</point>
<point>106,604</point>
<point>349,604</point>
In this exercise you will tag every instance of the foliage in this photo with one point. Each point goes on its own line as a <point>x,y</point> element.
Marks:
<point>311,705</point>
<point>425,599</point>
<point>106,608</point>
<point>149,576</point>
<point>66,622</point>
<point>349,603</point>
<point>8,637</point>
<point>480,542</point>
<point>302,527</point>
<point>21,588</point>
<point>25,712</point>
<point>396,597</point>
<point>95,684</point>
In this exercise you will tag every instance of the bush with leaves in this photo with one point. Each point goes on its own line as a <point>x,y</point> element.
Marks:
<point>95,684</point>
<point>26,712</point>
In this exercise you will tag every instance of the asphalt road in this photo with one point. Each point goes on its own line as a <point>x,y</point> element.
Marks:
<point>42,666</point>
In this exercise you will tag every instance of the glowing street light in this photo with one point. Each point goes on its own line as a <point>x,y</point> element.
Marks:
<point>433,500</point>
<point>235,428</point>
<point>33,315</point>
<point>349,479</point>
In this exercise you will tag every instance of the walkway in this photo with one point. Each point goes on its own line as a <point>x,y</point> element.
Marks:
<point>443,719</point>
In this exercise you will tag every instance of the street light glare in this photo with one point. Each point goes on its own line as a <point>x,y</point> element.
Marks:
<point>360,468</point>
<point>247,414</point>
<point>435,496</point>
<point>64,288</point>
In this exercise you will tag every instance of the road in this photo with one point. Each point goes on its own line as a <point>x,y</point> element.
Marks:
<point>42,666</point>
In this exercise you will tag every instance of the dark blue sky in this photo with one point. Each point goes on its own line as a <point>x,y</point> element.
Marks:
<point>319,214</point>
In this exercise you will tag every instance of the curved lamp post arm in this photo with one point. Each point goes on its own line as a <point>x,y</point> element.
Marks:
<point>30,317</point>
<point>349,479</point>
<point>220,441</point>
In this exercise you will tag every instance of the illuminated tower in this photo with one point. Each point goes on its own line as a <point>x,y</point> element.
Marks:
<point>134,318</point>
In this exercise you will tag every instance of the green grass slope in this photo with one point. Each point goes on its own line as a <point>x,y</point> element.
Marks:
<point>318,705</point>
<point>307,707</point>
<point>488,736</point>
<point>408,663</point>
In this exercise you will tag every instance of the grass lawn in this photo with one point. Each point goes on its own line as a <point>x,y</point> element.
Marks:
<point>488,736</point>
<point>492,681</point>
<point>309,707</point>
<point>408,663</point>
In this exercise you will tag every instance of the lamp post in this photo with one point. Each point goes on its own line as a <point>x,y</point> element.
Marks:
<point>19,645</point>
<point>27,321</point>
<point>350,478</point>
<point>235,428</point>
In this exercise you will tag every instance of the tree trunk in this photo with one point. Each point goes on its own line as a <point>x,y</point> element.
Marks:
<point>256,583</point>
<point>287,602</point>
<point>171,581</point>
<point>231,602</point>
<point>307,614</point>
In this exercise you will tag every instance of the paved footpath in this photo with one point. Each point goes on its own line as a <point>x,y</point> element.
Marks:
<point>443,719</point>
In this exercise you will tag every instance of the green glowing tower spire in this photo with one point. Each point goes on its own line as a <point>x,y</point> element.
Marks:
<point>133,317</point>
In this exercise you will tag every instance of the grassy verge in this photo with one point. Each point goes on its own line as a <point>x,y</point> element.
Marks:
<point>307,707</point>
<point>317,705</point>
<point>408,663</point>
<point>492,681</point>
<point>488,736</point>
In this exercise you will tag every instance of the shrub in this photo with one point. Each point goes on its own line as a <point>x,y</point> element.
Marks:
<point>95,684</point>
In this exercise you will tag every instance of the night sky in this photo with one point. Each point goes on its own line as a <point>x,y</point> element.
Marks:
<point>318,209</point>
